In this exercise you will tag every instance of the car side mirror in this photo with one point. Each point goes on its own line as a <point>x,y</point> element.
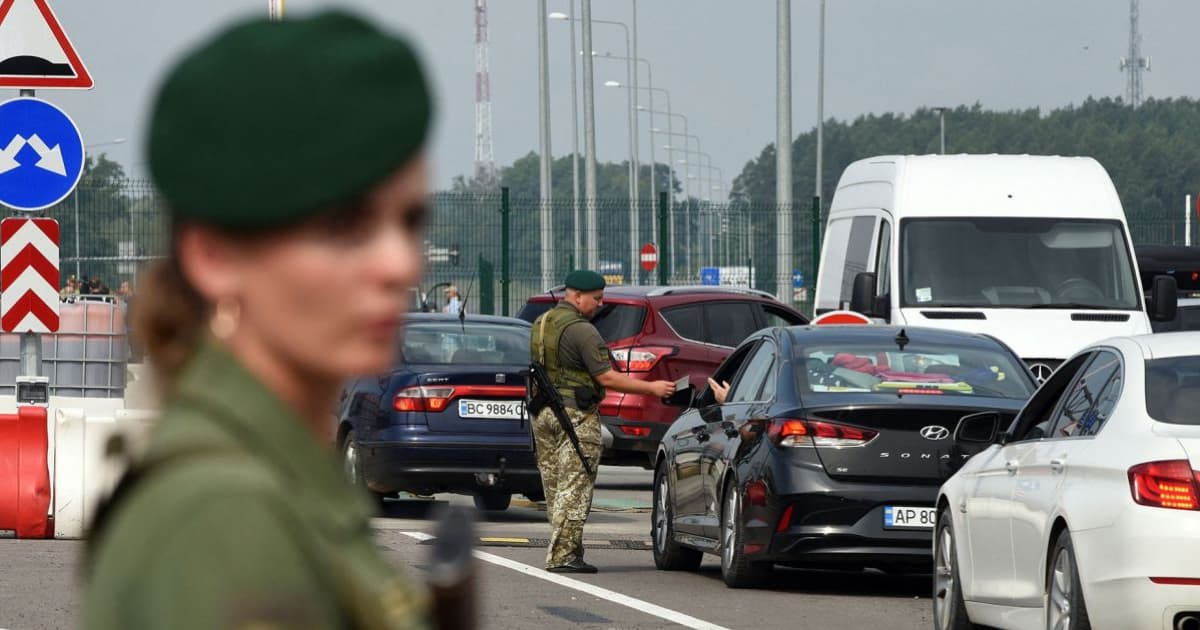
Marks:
<point>862,296</point>
<point>978,428</point>
<point>1164,299</point>
<point>682,398</point>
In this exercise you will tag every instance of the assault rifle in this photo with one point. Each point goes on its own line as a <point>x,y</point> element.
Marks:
<point>542,394</point>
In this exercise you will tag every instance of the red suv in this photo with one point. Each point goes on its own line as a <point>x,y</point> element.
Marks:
<point>666,333</point>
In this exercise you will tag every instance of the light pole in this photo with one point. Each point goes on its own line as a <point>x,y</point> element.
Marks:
<point>633,183</point>
<point>545,161</point>
<point>78,274</point>
<point>942,123</point>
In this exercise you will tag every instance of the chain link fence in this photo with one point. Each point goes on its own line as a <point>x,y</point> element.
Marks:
<point>493,247</point>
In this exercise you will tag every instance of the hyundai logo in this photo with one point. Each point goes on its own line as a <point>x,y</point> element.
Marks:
<point>1041,372</point>
<point>935,432</point>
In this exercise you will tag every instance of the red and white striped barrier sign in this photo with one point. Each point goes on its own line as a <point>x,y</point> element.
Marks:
<point>29,275</point>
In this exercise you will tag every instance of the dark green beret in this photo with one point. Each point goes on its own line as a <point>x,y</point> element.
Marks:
<point>272,122</point>
<point>585,280</point>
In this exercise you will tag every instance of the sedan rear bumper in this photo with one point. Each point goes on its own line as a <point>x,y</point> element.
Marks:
<point>427,469</point>
<point>839,523</point>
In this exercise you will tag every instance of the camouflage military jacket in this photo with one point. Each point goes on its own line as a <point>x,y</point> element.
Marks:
<point>258,531</point>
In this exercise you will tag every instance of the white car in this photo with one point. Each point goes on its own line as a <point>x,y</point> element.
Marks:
<point>1086,512</point>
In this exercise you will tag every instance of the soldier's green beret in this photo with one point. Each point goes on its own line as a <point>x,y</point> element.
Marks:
<point>584,280</point>
<point>272,122</point>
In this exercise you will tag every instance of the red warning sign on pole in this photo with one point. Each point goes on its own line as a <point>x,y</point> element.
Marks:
<point>35,51</point>
<point>649,257</point>
<point>841,317</point>
<point>29,275</point>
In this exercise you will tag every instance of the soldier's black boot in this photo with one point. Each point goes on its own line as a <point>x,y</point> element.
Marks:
<point>575,566</point>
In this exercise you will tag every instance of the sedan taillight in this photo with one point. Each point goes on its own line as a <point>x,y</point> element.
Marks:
<point>1166,484</point>
<point>423,399</point>
<point>640,359</point>
<point>796,432</point>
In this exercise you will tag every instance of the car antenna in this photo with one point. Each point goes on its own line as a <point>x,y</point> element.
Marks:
<point>901,340</point>
<point>462,307</point>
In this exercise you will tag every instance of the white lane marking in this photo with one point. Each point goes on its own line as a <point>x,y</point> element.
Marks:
<point>591,589</point>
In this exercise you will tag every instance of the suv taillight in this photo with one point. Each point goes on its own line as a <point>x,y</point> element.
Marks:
<point>792,432</point>
<point>1166,484</point>
<point>640,358</point>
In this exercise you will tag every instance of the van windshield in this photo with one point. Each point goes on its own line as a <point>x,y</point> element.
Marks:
<point>1016,263</point>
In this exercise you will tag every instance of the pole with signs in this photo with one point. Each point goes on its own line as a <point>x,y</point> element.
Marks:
<point>41,161</point>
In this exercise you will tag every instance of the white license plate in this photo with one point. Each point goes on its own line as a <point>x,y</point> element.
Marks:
<point>498,409</point>
<point>912,517</point>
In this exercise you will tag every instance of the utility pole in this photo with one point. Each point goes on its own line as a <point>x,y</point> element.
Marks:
<point>578,231</point>
<point>589,136</point>
<point>783,150</point>
<point>545,159</point>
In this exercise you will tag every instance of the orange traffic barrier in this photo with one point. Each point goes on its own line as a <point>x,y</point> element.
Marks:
<point>24,474</point>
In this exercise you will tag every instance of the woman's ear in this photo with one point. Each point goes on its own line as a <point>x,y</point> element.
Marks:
<point>210,261</point>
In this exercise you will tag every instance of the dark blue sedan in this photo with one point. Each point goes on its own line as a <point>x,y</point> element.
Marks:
<point>450,417</point>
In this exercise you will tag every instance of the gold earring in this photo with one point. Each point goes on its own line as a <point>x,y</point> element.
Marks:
<point>225,318</point>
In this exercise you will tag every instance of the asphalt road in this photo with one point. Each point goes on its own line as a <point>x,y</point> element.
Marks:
<point>39,585</point>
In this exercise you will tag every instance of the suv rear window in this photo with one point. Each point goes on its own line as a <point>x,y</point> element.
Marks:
<point>531,310</point>
<point>614,321</point>
<point>1173,389</point>
<point>619,321</point>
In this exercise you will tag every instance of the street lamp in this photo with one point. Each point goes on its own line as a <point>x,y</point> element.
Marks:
<point>634,252</point>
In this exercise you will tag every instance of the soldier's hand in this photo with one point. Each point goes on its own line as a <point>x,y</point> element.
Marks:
<point>662,389</point>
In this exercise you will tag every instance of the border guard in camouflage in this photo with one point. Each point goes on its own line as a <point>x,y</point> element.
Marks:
<point>569,349</point>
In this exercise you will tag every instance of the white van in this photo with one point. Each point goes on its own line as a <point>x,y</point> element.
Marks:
<point>1033,250</point>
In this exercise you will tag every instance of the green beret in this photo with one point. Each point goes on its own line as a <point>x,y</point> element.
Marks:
<point>272,122</point>
<point>585,280</point>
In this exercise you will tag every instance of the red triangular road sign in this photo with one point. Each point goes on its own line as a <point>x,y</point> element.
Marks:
<point>34,49</point>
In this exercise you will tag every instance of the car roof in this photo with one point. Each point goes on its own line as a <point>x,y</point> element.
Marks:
<point>1166,344</point>
<point>859,333</point>
<point>470,318</point>
<point>647,291</point>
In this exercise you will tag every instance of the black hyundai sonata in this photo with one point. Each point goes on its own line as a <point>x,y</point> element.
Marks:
<point>828,450</point>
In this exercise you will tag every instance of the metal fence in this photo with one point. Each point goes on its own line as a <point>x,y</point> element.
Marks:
<point>492,246</point>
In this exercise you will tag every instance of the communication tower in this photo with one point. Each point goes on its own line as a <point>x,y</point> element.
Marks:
<point>1134,63</point>
<point>485,164</point>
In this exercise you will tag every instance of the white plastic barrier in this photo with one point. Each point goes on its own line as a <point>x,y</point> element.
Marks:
<point>82,475</point>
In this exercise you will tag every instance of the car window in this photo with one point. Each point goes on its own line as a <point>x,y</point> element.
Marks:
<point>1079,407</point>
<point>725,373</point>
<point>750,383</point>
<point>474,343</point>
<point>858,249</point>
<point>1034,421</point>
<point>919,368</point>
<point>619,321</point>
<point>532,310</point>
<point>687,321</point>
<point>729,323</point>
<point>1173,389</point>
<point>883,254</point>
<point>1106,401</point>
<point>773,316</point>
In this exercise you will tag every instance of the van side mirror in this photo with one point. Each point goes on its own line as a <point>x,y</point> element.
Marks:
<point>682,398</point>
<point>863,299</point>
<point>978,428</point>
<point>1164,299</point>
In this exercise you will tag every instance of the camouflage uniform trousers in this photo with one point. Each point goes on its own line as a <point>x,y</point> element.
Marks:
<point>567,485</point>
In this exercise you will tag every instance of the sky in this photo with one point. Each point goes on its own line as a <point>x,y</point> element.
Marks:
<point>716,58</point>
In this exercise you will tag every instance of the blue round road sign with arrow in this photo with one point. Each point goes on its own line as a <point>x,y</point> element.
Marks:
<point>41,154</point>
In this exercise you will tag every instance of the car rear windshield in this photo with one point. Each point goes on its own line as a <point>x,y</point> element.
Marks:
<point>614,321</point>
<point>619,321</point>
<point>921,369</point>
<point>452,343</point>
<point>1173,389</point>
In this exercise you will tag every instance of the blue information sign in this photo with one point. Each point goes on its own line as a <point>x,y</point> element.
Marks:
<point>797,279</point>
<point>710,276</point>
<point>41,154</point>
